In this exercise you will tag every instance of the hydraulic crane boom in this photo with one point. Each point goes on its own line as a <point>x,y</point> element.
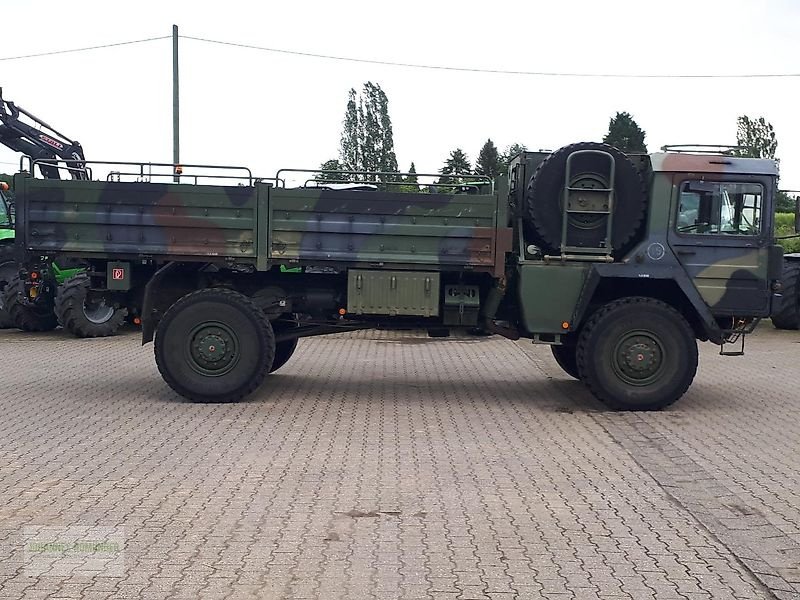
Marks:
<point>39,141</point>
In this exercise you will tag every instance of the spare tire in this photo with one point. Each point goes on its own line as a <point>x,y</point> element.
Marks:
<point>545,197</point>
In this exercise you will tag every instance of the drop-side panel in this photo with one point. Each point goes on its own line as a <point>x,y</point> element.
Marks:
<point>95,218</point>
<point>440,230</point>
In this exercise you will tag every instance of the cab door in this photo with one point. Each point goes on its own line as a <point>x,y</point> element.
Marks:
<point>720,234</point>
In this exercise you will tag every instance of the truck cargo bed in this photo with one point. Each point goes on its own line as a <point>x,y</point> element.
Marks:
<point>263,225</point>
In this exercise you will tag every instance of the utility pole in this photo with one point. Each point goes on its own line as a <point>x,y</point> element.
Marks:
<point>176,135</point>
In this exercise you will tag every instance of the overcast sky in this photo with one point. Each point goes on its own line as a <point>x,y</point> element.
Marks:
<point>268,110</point>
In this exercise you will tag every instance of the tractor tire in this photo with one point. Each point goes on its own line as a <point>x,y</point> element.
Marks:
<point>637,354</point>
<point>566,357</point>
<point>84,319</point>
<point>545,197</point>
<point>283,352</point>
<point>8,268</point>
<point>214,345</point>
<point>786,313</point>
<point>23,316</point>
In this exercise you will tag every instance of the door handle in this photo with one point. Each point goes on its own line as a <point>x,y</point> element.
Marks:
<point>686,252</point>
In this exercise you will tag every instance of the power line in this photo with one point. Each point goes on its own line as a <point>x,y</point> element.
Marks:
<point>152,39</point>
<point>422,66</point>
<point>493,71</point>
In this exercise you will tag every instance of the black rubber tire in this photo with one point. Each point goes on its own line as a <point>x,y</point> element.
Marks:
<point>786,312</point>
<point>598,350</point>
<point>205,313</point>
<point>283,352</point>
<point>8,268</point>
<point>545,192</point>
<point>566,357</point>
<point>27,318</point>
<point>69,309</point>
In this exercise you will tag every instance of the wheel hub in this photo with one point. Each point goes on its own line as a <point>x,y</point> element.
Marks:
<point>97,312</point>
<point>639,358</point>
<point>213,349</point>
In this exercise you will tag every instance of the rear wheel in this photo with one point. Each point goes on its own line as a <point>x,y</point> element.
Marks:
<point>566,358</point>
<point>86,315</point>
<point>787,310</point>
<point>8,268</point>
<point>28,317</point>
<point>214,345</point>
<point>637,354</point>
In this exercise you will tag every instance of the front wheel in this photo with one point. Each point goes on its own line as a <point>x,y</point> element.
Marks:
<point>637,354</point>
<point>84,314</point>
<point>28,317</point>
<point>786,311</point>
<point>214,345</point>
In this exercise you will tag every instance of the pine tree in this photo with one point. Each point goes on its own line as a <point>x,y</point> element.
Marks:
<point>456,164</point>
<point>412,173</point>
<point>625,134</point>
<point>410,181</point>
<point>489,162</point>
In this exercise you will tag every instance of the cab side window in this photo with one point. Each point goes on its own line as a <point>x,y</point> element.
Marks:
<point>720,208</point>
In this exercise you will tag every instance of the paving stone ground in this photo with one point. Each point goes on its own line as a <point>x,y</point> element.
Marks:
<point>395,466</point>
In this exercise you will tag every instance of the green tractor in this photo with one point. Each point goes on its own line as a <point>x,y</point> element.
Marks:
<point>60,295</point>
<point>8,265</point>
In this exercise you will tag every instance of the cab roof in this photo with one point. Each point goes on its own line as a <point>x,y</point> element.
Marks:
<point>681,162</point>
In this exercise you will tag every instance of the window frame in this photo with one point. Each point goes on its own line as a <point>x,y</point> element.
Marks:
<point>765,226</point>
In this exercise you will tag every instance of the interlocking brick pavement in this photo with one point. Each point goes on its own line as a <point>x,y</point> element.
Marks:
<point>391,465</point>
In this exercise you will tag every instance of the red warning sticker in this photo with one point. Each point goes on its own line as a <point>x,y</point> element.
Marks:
<point>118,274</point>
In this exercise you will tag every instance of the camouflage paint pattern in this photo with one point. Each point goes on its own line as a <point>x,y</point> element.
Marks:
<point>245,224</point>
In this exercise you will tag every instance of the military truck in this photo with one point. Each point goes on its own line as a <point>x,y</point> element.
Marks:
<point>620,263</point>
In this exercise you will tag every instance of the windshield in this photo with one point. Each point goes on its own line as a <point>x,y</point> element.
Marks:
<point>714,208</point>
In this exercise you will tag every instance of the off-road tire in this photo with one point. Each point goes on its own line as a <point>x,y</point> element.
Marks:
<point>8,268</point>
<point>566,357</point>
<point>616,343</point>
<point>200,324</point>
<point>70,310</point>
<point>283,352</point>
<point>786,314</point>
<point>545,193</point>
<point>27,318</point>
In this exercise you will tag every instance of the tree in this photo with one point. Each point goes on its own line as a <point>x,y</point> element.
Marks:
<point>511,151</point>
<point>410,181</point>
<point>349,144</point>
<point>756,138</point>
<point>625,134</point>
<point>784,203</point>
<point>489,162</point>
<point>412,173</point>
<point>335,168</point>
<point>456,164</point>
<point>367,140</point>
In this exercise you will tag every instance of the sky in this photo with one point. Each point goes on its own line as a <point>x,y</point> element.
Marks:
<point>268,110</point>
